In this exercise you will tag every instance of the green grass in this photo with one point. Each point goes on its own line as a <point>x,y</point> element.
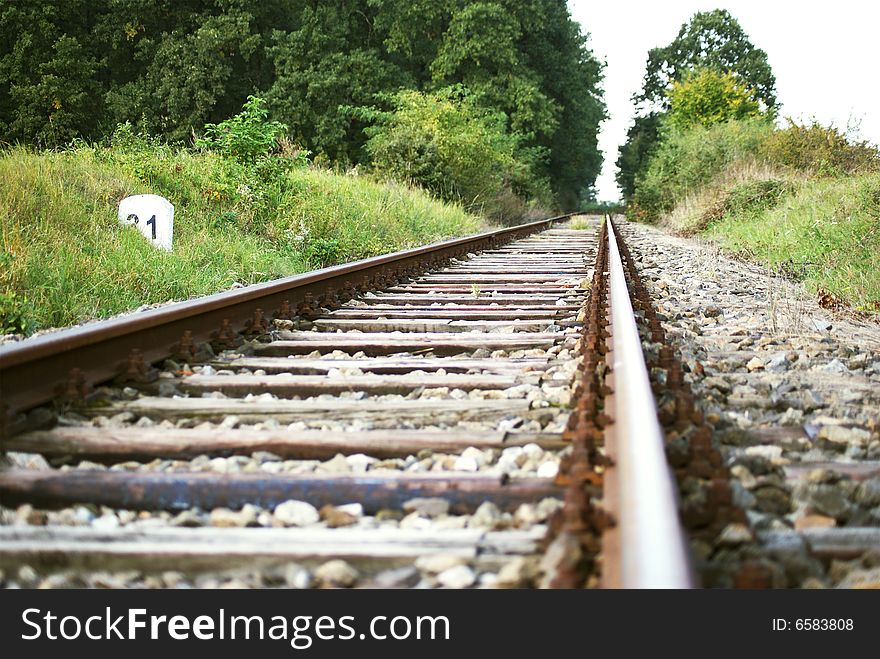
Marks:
<point>64,258</point>
<point>580,222</point>
<point>688,160</point>
<point>826,231</point>
<point>804,200</point>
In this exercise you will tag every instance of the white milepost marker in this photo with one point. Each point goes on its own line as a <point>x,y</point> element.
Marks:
<point>152,215</point>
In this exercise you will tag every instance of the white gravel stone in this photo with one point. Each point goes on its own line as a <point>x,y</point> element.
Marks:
<point>769,452</point>
<point>225,518</point>
<point>487,515</point>
<point>296,513</point>
<point>513,574</point>
<point>296,576</point>
<point>105,522</point>
<point>460,576</point>
<point>415,522</point>
<point>337,573</point>
<point>466,463</point>
<point>359,462</point>
<point>844,435</point>
<point>476,454</point>
<point>508,424</point>
<point>336,465</point>
<point>355,509</point>
<point>436,563</point>
<point>834,366</point>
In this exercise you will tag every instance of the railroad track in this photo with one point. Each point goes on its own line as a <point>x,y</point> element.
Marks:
<point>479,412</point>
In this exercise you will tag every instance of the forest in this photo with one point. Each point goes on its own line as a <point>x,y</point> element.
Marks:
<point>352,82</point>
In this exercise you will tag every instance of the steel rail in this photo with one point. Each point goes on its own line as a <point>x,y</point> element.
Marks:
<point>653,552</point>
<point>33,371</point>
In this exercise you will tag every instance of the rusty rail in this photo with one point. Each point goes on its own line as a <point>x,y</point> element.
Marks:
<point>69,362</point>
<point>653,553</point>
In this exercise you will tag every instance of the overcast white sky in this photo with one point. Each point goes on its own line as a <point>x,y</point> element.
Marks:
<point>825,55</point>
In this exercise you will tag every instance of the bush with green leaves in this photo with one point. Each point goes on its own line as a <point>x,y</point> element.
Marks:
<point>14,313</point>
<point>706,97</point>
<point>247,136</point>
<point>749,197</point>
<point>820,150</point>
<point>459,151</point>
<point>690,158</point>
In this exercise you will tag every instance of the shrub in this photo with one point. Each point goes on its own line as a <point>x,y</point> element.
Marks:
<point>820,150</point>
<point>690,158</point>
<point>460,152</point>
<point>14,313</point>
<point>748,197</point>
<point>322,252</point>
<point>246,136</point>
<point>706,97</point>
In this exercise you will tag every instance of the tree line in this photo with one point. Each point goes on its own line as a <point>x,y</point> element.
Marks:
<point>704,143</point>
<point>329,71</point>
<point>716,73</point>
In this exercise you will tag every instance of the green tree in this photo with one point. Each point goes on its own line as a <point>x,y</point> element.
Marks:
<point>63,102</point>
<point>527,58</point>
<point>641,143</point>
<point>706,97</point>
<point>713,40</point>
<point>480,50</point>
<point>446,142</point>
<point>192,77</point>
<point>48,66</point>
<point>709,40</point>
<point>333,59</point>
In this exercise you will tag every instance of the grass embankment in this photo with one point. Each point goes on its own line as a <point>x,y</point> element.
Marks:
<point>64,257</point>
<point>800,200</point>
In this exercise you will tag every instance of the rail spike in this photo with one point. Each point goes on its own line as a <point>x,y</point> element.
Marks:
<point>184,350</point>
<point>223,338</point>
<point>135,369</point>
<point>257,325</point>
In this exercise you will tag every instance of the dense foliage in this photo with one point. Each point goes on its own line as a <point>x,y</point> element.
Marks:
<point>77,69</point>
<point>820,150</point>
<point>743,152</point>
<point>711,40</point>
<point>688,158</point>
<point>447,143</point>
<point>706,97</point>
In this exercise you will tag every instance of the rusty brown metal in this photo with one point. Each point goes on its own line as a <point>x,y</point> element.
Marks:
<point>703,460</point>
<point>284,311</point>
<point>653,551</point>
<point>73,389</point>
<point>180,491</point>
<point>185,349</point>
<point>631,541</point>
<point>579,524</point>
<point>32,370</point>
<point>136,370</point>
